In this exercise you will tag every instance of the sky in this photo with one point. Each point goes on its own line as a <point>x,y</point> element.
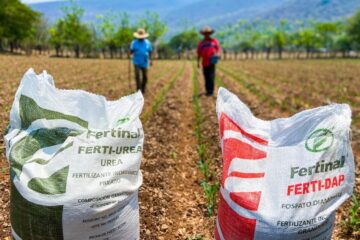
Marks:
<point>38,1</point>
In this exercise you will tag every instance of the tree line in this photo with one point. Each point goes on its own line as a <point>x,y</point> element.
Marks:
<point>267,39</point>
<point>25,30</point>
<point>307,39</point>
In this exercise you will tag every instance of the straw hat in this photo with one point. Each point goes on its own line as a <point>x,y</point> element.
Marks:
<point>207,30</point>
<point>141,34</point>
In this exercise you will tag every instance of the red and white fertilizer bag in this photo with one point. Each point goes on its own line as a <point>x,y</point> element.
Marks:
<point>74,163</point>
<point>285,178</point>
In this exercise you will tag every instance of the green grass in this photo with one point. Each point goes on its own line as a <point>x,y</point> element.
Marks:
<point>195,238</point>
<point>352,224</point>
<point>210,189</point>
<point>173,155</point>
<point>204,169</point>
<point>4,170</point>
<point>219,82</point>
<point>196,106</point>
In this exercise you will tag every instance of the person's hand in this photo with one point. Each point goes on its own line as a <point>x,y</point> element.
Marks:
<point>151,62</point>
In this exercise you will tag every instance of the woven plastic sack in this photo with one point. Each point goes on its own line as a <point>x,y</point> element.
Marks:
<point>285,178</point>
<point>74,163</point>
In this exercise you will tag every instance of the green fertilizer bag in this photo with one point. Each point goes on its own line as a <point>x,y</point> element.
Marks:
<point>74,163</point>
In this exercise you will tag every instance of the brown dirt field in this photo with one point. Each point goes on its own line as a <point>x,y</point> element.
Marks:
<point>172,203</point>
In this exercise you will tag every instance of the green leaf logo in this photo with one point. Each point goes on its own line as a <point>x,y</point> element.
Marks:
<point>320,140</point>
<point>123,120</point>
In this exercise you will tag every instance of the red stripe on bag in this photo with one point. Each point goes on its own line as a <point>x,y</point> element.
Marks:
<point>248,200</point>
<point>234,226</point>
<point>217,236</point>
<point>246,175</point>
<point>227,123</point>
<point>234,148</point>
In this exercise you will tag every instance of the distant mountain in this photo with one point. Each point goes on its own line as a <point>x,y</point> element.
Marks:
<point>322,10</point>
<point>220,12</point>
<point>181,13</point>
<point>52,10</point>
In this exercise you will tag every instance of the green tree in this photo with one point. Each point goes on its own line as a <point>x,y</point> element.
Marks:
<point>266,39</point>
<point>88,39</point>
<point>343,44</point>
<point>247,38</point>
<point>17,22</point>
<point>280,37</point>
<point>186,40</point>
<point>353,28</point>
<point>108,30</point>
<point>76,34</point>
<point>153,25</point>
<point>124,34</point>
<point>41,36</point>
<point>307,39</point>
<point>327,32</point>
<point>57,36</point>
<point>165,51</point>
<point>223,37</point>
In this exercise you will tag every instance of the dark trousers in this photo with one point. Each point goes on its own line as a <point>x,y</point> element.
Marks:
<point>209,75</point>
<point>141,80</point>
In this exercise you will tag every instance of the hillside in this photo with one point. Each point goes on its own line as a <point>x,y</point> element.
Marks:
<point>323,10</point>
<point>220,12</point>
<point>183,13</point>
<point>52,10</point>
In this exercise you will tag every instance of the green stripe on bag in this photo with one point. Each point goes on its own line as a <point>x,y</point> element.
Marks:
<point>30,111</point>
<point>25,148</point>
<point>32,221</point>
<point>55,184</point>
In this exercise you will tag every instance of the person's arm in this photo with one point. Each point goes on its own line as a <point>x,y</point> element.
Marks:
<point>132,47</point>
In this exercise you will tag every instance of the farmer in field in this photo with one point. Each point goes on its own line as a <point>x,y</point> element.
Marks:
<point>209,51</point>
<point>141,50</point>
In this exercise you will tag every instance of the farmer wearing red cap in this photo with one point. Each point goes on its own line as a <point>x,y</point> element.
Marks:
<point>209,51</point>
<point>141,50</point>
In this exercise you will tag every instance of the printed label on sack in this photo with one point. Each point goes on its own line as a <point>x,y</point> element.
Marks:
<point>72,182</point>
<point>280,192</point>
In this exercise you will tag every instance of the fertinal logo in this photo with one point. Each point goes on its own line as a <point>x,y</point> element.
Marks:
<point>320,140</point>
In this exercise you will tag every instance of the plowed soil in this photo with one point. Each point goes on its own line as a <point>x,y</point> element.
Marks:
<point>172,202</point>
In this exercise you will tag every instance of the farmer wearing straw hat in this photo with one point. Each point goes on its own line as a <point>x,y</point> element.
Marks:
<point>141,50</point>
<point>209,51</point>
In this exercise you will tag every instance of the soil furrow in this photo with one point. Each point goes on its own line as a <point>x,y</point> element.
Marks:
<point>171,200</point>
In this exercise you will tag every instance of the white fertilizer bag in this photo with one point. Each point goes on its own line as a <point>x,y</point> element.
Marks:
<point>282,179</point>
<point>74,163</point>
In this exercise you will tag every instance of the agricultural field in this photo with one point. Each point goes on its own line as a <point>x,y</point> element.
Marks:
<point>182,157</point>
